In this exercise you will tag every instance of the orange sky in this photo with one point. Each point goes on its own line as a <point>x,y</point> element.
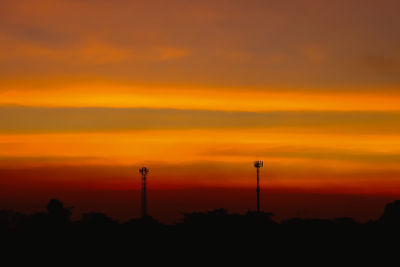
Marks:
<point>199,90</point>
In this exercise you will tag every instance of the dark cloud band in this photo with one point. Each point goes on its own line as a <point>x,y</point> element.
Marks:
<point>48,120</point>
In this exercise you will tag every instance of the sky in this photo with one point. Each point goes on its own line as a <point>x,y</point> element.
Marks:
<point>197,90</point>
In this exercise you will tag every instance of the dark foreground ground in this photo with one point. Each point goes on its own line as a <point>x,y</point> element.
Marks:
<point>209,238</point>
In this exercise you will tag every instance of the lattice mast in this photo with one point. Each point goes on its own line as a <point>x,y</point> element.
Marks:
<point>144,171</point>
<point>258,165</point>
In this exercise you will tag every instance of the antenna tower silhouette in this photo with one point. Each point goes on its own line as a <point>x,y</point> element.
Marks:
<point>258,165</point>
<point>144,171</point>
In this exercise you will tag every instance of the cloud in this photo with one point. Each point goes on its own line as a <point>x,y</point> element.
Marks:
<point>41,120</point>
<point>170,53</point>
<point>308,153</point>
<point>382,63</point>
<point>314,54</point>
<point>88,53</point>
<point>99,53</point>
<point>226,43</point>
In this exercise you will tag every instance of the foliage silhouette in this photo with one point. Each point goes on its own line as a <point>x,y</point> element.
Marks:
<point>201,235</point>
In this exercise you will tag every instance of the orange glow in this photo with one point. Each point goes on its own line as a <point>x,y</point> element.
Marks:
<point>304,161</point>
<point>189,142</point>
<point>245,99</point>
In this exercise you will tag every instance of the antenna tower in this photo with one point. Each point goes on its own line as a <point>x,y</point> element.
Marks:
<point>144,171</point>
<point>258,165</point>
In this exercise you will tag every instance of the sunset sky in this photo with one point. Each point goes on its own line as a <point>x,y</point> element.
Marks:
<point>197,90</point>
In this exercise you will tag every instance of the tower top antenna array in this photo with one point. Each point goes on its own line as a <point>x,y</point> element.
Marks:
<point>144,171</point>
<point>258,164</point>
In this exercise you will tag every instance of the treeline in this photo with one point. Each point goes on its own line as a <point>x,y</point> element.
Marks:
<point>374,243</point>
<point>58,217</point>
